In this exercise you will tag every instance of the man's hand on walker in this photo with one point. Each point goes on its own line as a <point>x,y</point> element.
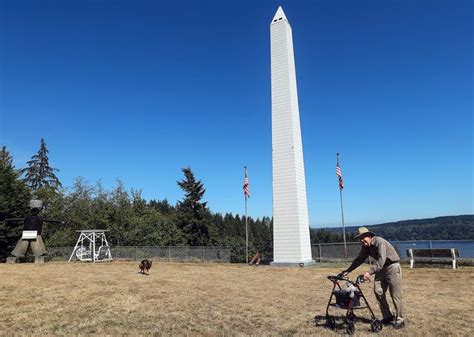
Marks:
<point>366,276</point>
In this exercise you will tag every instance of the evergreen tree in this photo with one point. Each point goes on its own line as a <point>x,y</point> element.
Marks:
<point>139,204</point>
<point>14,197</point>
<point>5,158</point>
<point>162,206</point>
<point>194,219</point>
<point>39,174</point>
<point>150,228</point>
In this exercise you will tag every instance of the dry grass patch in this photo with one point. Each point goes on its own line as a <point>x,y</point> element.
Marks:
<point>211,299</point>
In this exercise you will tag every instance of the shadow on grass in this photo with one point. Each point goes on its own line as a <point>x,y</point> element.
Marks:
<point>339,323</point>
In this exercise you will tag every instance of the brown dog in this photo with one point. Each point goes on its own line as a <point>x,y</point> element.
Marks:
<point>145,266</point>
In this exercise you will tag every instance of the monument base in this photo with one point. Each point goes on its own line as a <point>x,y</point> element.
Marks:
<point>301,264</point>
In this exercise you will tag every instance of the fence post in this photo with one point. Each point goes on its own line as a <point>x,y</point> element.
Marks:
<point>136,253</point>
<point>169,253</point>
<point>320,253</point>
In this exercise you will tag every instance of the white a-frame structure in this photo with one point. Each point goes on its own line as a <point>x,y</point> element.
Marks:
<point>92,246</point>
<point>291,244</point>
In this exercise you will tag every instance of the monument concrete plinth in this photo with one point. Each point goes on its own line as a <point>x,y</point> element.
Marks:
<point>294,264</point>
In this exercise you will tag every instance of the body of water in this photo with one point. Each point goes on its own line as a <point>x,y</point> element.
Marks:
<point>466,247</point>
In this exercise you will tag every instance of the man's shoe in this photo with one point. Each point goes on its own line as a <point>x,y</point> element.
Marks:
<point>400,324</point>
<point>388,320</point>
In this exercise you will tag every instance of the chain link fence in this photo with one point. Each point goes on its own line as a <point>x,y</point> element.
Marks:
<point>323,252</point>
<point>235,254</point>
<point>138,253</point>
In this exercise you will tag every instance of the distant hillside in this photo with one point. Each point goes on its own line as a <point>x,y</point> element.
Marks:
<point>458,227</point>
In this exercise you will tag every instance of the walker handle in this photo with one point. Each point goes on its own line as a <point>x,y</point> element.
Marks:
<point>360,279</point>
<point>337,278</point>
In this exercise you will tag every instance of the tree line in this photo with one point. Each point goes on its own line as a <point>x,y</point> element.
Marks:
<point>459,227</point>
<point>130,219</point>
<point>452,227</point>
<point>134,221</point>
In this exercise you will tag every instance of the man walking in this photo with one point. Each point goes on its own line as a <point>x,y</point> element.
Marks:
<point>387,271</point>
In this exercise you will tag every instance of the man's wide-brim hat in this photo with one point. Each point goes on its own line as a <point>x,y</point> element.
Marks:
<point>363,231</point>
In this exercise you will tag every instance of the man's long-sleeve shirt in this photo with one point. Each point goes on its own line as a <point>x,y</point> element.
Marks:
<point>381,250</point>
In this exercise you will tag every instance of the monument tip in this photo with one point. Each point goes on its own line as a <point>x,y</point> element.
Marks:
<point>279,15</point>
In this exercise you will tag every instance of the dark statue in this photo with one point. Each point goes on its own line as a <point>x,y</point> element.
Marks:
<point>32,234</point>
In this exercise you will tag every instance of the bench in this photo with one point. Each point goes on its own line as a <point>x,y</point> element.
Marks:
<point>450,255</point>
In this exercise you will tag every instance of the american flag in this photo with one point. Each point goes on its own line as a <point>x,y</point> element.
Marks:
<point>246,184</point>
<point>339,174</point>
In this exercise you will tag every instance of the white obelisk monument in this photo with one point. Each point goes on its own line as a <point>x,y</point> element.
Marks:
<point>291,244</point>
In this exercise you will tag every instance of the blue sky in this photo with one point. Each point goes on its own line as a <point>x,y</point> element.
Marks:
<point>136,90</point>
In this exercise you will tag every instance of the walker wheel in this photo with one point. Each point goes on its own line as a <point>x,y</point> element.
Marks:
<point>376,325</point>
<point>351,316</point>
<point>330,322</point>
<point>350,327</point>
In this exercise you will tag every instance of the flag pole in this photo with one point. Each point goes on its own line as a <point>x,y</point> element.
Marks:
<point>342,214</point>
<point>246,219</point>
<point>246,234</point>
<point>343,226</point>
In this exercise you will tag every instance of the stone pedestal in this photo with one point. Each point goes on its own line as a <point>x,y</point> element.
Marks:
<point>40,259</point>
<point>12,259</point>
